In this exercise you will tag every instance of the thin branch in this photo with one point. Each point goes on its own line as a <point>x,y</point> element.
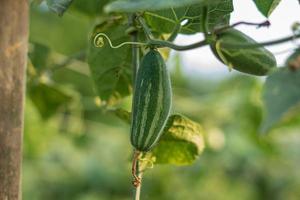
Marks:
<point>268,43</point>
<point>258,25</point>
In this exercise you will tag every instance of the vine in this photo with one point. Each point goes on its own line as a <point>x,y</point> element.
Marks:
<point>99,39</point>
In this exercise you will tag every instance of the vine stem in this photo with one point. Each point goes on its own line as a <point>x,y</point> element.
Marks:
<point>163,43</point>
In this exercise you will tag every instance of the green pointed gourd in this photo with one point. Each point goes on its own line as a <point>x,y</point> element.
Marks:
<point>255,60</point>
<point>151,101</point>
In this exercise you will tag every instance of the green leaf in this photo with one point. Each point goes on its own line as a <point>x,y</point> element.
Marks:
<point>39,56</point>
<point>141,5</point>
<point>48,99</point>
<point>181,143</point>
<point>81,82</point>
<point>110,67</point>
<point>218,15</point>
<point>266,7</point>
<point>90,8</point>
<point>66,35</point>
<point>281,93</point>
<point>59,6</point>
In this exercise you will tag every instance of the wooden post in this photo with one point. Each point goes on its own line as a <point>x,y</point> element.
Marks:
<point>13,58</point>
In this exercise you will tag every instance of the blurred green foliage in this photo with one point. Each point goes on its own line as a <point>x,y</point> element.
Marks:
<point>93,161</point>
<point>90,159</point>
<point>76,149</point>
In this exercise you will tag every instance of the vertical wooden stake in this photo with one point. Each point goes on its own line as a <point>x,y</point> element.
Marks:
<point>13,54</point>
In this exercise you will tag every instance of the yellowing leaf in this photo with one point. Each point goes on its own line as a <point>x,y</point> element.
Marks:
<point>181,143</point>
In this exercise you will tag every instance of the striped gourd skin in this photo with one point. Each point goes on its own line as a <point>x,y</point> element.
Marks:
<point>151,101</point>
<point>255,61</point>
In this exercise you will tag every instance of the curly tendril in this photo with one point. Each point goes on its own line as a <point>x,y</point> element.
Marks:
<point>99,42</point>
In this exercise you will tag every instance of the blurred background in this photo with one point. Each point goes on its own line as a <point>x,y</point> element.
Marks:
<point>74,150</point>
